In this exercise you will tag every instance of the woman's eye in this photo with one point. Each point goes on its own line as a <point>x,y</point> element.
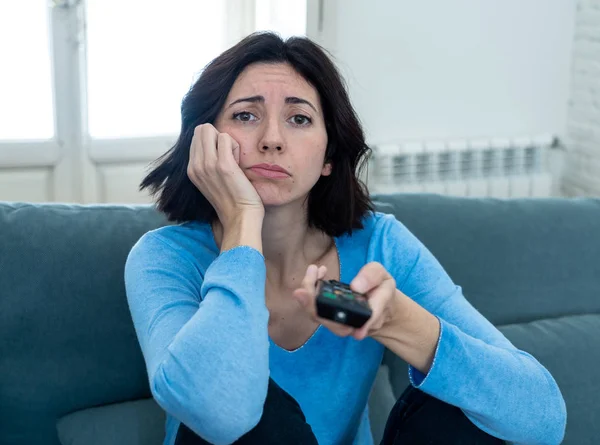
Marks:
<point>301,120</point>
<point>244,116</point>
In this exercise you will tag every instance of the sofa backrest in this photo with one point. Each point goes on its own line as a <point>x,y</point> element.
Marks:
<point>67,342</point>
<point>517,260</point>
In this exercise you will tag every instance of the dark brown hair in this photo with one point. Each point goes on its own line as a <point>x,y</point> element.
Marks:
<point>336,203</point>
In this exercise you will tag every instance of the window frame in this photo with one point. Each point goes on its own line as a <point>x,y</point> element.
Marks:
<point>72,156</point>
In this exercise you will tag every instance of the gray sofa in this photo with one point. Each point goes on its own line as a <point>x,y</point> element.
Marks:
<point>71,371</point>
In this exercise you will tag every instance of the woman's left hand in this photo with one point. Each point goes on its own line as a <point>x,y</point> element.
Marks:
<point>373,280</point>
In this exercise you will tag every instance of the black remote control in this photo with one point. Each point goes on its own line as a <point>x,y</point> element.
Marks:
<point>337,302</point>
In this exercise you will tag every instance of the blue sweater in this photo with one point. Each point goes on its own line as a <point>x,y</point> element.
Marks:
<point>201,320</point>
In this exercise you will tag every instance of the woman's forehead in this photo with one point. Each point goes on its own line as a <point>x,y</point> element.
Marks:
<point>262,79</point>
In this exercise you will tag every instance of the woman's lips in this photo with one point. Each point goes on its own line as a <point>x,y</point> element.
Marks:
<point>269,173</point>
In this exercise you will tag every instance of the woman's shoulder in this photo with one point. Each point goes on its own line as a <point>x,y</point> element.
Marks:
<point>378,225</point>
<point>387,240</point>
<point>192,239</point>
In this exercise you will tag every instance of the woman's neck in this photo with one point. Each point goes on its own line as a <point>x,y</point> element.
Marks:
<point>289,247</point>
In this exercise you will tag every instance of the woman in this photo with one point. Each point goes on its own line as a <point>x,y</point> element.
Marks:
<point>263,183</point>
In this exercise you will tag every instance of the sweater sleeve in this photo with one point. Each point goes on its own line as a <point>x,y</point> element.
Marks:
<point>501,389</point>
<point>203,334</point>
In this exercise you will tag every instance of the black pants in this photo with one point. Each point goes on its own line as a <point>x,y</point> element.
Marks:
<point>415,419</point>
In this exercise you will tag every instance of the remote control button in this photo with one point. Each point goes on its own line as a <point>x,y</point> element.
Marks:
<point>329,295</point>
<point>340,316</point>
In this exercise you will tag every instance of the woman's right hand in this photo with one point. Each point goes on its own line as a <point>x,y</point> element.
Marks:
<point>214,169</point>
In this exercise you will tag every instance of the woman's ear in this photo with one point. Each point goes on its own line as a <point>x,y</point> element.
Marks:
<point>326,170</point>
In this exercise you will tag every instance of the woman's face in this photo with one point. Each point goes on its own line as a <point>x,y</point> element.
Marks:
<point>276,117</point>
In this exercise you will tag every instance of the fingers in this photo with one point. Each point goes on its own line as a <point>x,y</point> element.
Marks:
<point>205,156</point>
<point>322,272</point>
<point>379,299</point>
<point>214,169</point>
<point>309,281</point>
<point>228,151</point>
<point>339,329</point>
<point>235,150</point>
<point>307,294</point>
<point>373,279</point>
<point>223,153</point>
<point>369,277</point>
<point>194,156</point>
<point>208,139</point>
<point>199,157</point>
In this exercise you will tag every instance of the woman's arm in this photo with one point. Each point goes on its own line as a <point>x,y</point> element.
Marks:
<point>504,391</point>
<point>204,337</point>
<point>411,332</point>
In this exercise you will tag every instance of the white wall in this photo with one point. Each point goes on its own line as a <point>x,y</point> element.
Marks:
<point>583,140</point>
<point>432,69</point>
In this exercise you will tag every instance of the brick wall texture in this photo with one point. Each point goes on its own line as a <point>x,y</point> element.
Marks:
<point>582,167</point>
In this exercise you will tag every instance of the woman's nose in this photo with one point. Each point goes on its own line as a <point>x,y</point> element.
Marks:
<point>272,137</point>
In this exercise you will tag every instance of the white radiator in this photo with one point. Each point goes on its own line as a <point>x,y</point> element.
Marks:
<point>502,168</point>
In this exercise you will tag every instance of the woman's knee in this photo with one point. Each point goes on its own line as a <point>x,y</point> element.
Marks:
<point>282,421</point>
<point>418,418</point>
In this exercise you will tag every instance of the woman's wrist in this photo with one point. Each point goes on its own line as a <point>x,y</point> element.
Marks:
<point>243,229</point>
<point>411,332</point>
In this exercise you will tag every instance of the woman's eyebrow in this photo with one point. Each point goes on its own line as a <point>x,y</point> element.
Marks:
<point>261,99</point>
<point>298,100</point>
<point>252,99</point>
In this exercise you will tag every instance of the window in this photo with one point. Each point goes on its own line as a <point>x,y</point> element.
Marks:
<point>90,90</point>
<point>286,17</point>
<point>25,82</point>
<point>142,56</point>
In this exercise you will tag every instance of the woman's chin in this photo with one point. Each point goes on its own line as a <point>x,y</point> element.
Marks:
<point>277,194</point>
<point>271,199</point>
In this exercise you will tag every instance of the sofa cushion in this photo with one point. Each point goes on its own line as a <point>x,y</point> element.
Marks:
<point>381,402</point>
<point>568,348</point>
<point>140,422</point>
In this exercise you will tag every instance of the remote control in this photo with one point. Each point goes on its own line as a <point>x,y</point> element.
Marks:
<point>337,302</point>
